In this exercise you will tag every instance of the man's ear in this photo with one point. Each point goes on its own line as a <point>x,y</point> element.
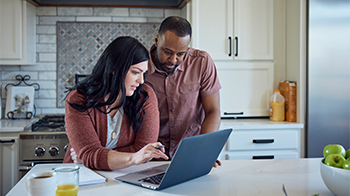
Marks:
<point>156,40</point>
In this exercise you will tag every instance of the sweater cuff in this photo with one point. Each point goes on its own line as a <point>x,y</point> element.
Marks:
<point>103,162</point>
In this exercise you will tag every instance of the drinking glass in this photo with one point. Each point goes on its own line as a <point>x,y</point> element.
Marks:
<point>67,180</point>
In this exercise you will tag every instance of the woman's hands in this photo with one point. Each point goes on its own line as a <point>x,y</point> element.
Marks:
<point>148,152</point>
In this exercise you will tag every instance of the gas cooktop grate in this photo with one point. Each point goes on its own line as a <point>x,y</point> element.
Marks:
<point>49,123</point>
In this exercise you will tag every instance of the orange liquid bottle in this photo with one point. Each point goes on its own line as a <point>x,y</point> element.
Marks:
<point>277,107</point>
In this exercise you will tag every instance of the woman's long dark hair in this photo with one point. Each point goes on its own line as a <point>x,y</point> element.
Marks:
<point>108,77</point>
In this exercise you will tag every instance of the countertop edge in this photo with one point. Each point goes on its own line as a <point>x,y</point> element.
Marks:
<point>258,124</point>
<point>12,126</point>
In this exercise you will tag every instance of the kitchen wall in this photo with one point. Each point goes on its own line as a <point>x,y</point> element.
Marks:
<point>45,71</point>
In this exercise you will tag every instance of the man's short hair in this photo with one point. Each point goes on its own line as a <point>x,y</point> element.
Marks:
<point>180,26</point>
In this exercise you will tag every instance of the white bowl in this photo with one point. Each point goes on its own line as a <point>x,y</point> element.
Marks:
<point>336,179</point>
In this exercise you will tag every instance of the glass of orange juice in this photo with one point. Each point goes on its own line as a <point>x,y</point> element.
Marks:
<point>67,180</point>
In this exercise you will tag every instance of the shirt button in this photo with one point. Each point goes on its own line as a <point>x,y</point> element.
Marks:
<point>190,89</point>
<point>172,138</point>
<point>167,78</point>
<point>168,95</point>
<point>171,153</point>
<point>171,110</point>
<point>171,126</point>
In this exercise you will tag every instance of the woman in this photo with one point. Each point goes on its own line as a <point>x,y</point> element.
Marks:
<point>112,118</point>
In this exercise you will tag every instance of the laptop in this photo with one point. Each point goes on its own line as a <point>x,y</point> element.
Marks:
<point>194,157</point>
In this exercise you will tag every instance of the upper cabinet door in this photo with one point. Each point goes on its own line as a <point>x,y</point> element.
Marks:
<point>17,33</point>
<point>253,27</point>
<point>212,24</point>
<point>233,29</point>
<point>10,29</point>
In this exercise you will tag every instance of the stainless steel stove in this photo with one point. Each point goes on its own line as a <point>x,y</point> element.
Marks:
<point>44,142</point>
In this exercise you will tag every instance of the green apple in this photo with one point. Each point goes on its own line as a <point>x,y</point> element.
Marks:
<point>335,160</point>
<point>347,154</point>
<point>346,164</point>
<point>333,149</point>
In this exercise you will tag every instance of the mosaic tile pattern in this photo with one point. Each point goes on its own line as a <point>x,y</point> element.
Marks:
<point>79,45</point>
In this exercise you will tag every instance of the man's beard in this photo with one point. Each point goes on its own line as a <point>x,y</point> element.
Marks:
<point>163,67</point>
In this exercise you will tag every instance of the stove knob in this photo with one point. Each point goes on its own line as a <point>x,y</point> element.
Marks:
<point>54,151</point>
<point>39,151</point>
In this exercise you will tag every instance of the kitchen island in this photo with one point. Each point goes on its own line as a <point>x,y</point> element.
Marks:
<point>234,177</point>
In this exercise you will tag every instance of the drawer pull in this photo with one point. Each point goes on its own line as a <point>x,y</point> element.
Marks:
<point>232,113</point>
<point>264,157</point>
<point>263,141</point>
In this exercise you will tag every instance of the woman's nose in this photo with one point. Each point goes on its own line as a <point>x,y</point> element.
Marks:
<point>140,79</point>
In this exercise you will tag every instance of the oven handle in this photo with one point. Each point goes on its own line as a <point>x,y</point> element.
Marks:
<point>7,141</point>
<point>25,168</point>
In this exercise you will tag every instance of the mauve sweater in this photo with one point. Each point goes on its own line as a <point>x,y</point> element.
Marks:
<point>87,131</point>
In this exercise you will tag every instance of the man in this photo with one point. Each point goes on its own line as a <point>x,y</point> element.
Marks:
<point>186,84</point>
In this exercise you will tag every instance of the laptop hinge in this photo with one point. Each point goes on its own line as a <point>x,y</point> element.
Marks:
<point>149,186</point>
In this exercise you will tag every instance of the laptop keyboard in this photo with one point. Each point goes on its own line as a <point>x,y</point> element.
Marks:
<point>153,179</point>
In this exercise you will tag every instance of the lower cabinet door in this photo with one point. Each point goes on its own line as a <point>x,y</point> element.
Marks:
<point>8,163</point>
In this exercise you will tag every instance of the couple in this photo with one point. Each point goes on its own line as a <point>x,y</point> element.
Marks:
<point>114,119</point>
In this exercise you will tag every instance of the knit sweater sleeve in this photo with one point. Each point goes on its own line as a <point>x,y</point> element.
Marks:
<point>149,130</point>
<point>84,134</point>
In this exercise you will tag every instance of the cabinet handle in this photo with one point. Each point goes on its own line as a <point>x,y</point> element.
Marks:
<point>264,157</point>
<point>228,113</point>
<point>230,46</point>
<point>236,38</point>
<point>7,141</point>
<point>263,141</point>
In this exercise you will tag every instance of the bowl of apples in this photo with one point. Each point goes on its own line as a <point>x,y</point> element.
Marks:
<point>335,169</point>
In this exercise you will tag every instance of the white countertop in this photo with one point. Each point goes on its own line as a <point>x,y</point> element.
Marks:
<point>15,125</point>
<point>258,124</point>
<point>234,177</point>
<point>8,125</point>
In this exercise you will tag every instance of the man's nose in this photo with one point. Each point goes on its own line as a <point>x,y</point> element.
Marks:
<point>172,59</point>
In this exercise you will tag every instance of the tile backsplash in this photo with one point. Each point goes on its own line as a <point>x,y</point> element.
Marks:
<point>80,44</point>
<point>45,72</point>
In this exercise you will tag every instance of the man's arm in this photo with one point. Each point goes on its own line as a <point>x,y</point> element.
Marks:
<point>211,105</point>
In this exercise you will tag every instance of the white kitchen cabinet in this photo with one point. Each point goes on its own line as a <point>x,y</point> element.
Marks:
<point>8,161</point>
<point>233,29</point>
<point>238,34</point>
<point>261,139</point>
<point>246,88</point>
<point>17,33</point>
